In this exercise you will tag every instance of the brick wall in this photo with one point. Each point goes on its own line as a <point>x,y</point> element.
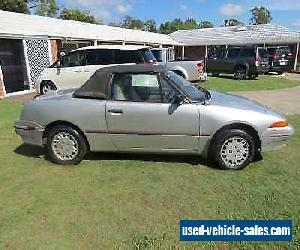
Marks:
<point>55,49</point>
<point>194,52</point>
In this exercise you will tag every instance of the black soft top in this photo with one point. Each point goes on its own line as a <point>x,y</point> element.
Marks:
<point>98,86</point>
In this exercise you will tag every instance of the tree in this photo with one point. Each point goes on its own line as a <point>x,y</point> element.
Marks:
<point>171,26</point>
<point>46,8</point>
<point>78,15</point>
<point>232,22</point>
<point>150,25</point>
<point>260,15</point>
<point>132,23</point>
<point>190,23</point>
<point>206,24</point>
<point>19,6</point>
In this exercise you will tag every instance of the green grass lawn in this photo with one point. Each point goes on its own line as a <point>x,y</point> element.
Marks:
<point>130,202</point>
<point>226,83</point>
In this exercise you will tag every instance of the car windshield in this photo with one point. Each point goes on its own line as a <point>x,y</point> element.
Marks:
<point>148,55</point>
<point>195,94</point>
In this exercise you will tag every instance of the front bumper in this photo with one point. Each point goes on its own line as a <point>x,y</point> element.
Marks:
<point>30,132</point>
<point>275,138</point>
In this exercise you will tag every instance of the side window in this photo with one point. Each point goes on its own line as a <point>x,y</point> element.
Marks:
<point>167,90</point>
<point>136,88</point>
<point>248,53</point>
<point>74,59</point>
<point>128,56</point>
<point>100,57</point>
<point>219,54</point>
<point>233,53</point>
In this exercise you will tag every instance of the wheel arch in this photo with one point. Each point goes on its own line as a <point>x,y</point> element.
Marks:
<point>241,126</point>
<point>64,123</point>
<point>242,65</point>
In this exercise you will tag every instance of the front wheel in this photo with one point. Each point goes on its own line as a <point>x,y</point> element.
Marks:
<point>66,146</point>
<point>233,149</point>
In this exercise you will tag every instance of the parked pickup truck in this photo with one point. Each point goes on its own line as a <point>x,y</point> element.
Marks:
<point>190,70</point>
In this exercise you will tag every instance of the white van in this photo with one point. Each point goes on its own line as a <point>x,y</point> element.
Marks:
<point>75,68</point>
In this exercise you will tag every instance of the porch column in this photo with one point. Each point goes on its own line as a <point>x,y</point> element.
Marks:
<point>296,58</point>
<point>2,92</point>
<point>182,53</point>
<point>206,51</point>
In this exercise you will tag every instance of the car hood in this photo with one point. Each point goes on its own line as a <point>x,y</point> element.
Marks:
<point>239,102</point>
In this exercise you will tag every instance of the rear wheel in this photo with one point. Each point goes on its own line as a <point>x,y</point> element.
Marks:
<point>233,149</point>
<point>47,87</point>
<point>253,76</point>
<point>66,146</point>
<point>239,73</point>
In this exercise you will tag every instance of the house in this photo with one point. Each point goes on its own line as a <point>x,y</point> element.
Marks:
<point>29,44</point>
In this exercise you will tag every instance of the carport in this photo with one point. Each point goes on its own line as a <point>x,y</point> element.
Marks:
<point>197,42</point>
<point>30,43</point>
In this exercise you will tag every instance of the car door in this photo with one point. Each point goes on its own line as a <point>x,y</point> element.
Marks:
<point>215,61</point>
<point>70,71</point>
<point>141,118</point>
<point>231,60</point>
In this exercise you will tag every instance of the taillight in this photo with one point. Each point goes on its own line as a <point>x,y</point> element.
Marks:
<point>275,57</point>
<point>290,56</point>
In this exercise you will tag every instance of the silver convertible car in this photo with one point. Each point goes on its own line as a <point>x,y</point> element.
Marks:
<point>146,109</point>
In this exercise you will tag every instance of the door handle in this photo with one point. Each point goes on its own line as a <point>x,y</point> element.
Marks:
<point>115,111</point>
<point>87,71</point>
<point>78,71</point>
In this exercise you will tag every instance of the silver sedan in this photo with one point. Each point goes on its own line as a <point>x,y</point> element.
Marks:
<point>146,109</point>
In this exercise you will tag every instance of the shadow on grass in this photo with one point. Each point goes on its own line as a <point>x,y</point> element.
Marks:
<point>38,152</point>
<point>30,151</point>
<point>230,77</point>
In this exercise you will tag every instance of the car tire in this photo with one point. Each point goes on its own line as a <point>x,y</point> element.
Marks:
<point>253,76</point>
<point>233,149</point>
<point>66,146</point>
<point>46,87</point>
<point>239,73</point>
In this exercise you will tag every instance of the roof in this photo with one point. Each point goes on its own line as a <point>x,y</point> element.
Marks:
<point>237,35</point>
<point>98,85</point>
<point>19,26</point>
<point>118,47</point>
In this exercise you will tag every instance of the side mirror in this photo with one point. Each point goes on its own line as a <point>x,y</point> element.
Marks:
<point>176,99</point>
<point>62,54</point>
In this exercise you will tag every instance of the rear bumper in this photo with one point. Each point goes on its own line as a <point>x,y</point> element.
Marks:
<point>279,68</point>
<point>276,138</point>
<point>263,69</point>
<point>30,132</point>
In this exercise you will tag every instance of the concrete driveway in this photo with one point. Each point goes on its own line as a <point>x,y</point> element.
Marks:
<point>286,101</point>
